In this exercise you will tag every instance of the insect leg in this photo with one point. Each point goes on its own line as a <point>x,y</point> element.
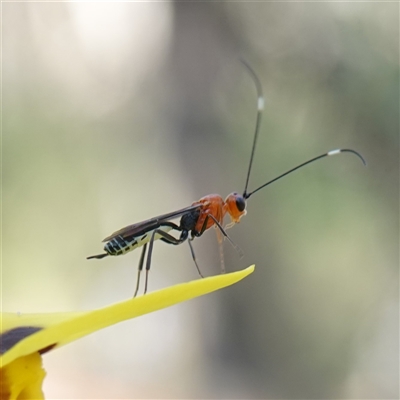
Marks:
<point>194,256</point>
<point>140,269</point>
<point>184,235</point>
<point>167,238</point>
<point>148,261</point>
<point>221,250</point>
<point>204,227</point>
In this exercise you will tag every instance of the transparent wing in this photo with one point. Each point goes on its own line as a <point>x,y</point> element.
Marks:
<point>150,224</point>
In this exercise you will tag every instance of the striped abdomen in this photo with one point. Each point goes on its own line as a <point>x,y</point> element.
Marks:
<point>119,245</point>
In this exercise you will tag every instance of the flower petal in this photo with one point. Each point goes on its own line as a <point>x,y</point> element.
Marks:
<point>22,378</point>
<point>26,334</point>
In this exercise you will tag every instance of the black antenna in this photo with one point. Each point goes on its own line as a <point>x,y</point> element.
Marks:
<point>329,153</point>
<point>260,108</point>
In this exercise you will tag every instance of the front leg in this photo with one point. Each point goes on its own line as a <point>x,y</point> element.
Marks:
<point>218,225</point>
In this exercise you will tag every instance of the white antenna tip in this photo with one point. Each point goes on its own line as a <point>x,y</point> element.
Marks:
<point>333,152</point>
<point>260,104</point>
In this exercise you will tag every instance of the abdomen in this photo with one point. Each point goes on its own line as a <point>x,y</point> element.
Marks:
<point>119,245</point>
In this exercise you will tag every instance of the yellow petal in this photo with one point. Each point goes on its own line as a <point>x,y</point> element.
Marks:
<point>22,378</point>
<point>26,334</point>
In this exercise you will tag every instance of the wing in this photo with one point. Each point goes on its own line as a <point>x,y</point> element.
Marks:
<point>151,223</point>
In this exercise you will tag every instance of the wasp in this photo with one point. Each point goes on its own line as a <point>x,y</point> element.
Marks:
<point>203,214</point>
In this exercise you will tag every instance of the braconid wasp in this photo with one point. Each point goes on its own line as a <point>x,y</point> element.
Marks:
<point>209,211</point>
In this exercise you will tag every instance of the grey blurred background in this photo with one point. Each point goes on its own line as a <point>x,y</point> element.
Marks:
<point>116,112</point>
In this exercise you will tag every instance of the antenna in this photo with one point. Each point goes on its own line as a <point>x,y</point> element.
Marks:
<point>260,108</point>
<point>329,153</point>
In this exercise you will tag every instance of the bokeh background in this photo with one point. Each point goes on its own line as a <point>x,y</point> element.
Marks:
<point>116,112</point>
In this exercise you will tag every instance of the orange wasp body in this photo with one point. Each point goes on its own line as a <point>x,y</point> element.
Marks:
<point>214,205</point>
<point>209,211</point>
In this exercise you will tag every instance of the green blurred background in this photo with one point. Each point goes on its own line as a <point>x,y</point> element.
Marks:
<point>116,112</point>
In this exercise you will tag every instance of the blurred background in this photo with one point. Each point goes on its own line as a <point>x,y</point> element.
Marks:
<point>117,112</point>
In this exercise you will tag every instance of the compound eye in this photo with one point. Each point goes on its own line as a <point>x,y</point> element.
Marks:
<point>240,203</point>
